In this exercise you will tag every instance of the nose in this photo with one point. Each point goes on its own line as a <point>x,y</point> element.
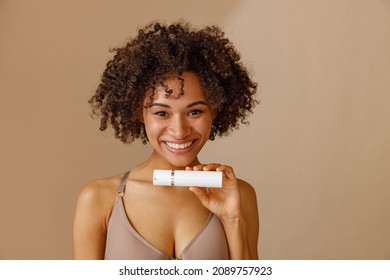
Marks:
<point>179,127</point>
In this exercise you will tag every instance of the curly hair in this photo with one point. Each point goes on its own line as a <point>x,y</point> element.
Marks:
<point>160,51</point>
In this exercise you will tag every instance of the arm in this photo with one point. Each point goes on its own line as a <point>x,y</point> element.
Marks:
<point>90,222</point>
<point>236,206</point>
<point>242,232</point>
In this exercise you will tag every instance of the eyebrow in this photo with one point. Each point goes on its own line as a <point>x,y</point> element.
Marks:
<point>167,106</point>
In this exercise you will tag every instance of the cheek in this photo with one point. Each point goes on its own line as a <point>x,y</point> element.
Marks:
<point>203,127</point>
<point>153,128</point>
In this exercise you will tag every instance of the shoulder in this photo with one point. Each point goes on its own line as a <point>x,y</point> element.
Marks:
<point>99,194</point>
<point>94,206</point>
<point>248,199</point>
<point>246,189</point>
<point>251,214</point>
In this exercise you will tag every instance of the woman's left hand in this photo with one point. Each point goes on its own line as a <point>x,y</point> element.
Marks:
<point>224,202</point>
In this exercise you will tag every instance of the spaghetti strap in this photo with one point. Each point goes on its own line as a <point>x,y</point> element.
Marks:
<point>122,185</point>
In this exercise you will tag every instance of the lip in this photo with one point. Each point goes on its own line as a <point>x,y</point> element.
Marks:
<point>179,151</point>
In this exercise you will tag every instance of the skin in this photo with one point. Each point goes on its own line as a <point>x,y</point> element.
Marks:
<point>179,120</point>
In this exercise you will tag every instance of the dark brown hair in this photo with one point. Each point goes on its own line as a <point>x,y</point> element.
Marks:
<point>159,51</point>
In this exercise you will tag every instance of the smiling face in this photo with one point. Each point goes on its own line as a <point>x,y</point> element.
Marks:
<point>177,126</point>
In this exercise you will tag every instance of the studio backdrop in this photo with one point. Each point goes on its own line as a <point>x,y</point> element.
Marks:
<point>316,149</point>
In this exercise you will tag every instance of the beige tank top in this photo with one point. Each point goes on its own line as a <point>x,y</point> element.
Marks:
<point>124,243</point>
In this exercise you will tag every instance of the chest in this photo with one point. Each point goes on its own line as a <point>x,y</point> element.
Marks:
<point>168,219</point>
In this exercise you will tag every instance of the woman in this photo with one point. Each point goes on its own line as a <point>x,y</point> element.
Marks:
<point>175,87</point>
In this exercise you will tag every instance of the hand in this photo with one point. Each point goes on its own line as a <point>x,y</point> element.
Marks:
<point>224,202</point>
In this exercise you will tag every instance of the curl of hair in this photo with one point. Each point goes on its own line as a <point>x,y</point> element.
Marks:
<point>159,51</point>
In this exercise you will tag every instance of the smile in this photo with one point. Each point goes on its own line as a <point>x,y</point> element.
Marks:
<point>179,146</point>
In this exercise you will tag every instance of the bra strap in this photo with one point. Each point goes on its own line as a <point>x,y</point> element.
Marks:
<point>122,185</point>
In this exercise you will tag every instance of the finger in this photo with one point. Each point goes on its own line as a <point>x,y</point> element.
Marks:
<point>211,166</point>
<point>206,167</point>
<point>228,171</point>
<point>188,168</point>
<point>198,167</point>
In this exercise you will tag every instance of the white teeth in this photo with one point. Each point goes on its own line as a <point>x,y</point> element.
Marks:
<point>179,146</point>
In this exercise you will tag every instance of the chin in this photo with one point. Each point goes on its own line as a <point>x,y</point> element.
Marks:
<point>181,164</point>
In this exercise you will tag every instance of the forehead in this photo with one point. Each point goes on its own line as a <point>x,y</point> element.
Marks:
<point>175,88</point>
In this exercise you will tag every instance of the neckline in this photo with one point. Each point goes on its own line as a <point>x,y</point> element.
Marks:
<point>146,242</point>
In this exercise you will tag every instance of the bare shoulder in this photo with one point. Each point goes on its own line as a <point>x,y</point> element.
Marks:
<point>94,206</point>
<point>99,193</point>
<point>251,214</point>
<point>249,201</point>
<point>246,189</point>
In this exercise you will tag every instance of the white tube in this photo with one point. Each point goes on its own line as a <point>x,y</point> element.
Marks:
<point>187,178</point>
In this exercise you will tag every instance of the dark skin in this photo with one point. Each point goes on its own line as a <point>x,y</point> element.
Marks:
<point>171,226</point>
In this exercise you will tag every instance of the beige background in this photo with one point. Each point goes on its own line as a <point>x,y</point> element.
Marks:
<point>317,149</point>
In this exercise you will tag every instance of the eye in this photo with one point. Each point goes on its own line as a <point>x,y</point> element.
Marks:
<point>195,112</point>
<point>161,114</point>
